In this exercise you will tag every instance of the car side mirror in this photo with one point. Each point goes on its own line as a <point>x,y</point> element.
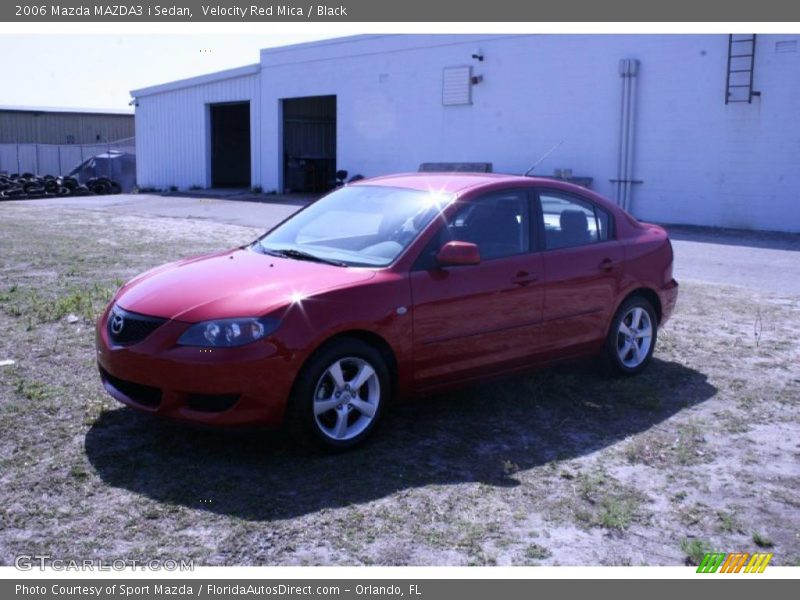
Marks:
<point>455,254</point>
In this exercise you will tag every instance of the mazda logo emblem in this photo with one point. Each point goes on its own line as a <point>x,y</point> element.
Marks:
<point>117,323</point>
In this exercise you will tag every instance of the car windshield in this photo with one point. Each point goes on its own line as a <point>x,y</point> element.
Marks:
<point>363,225</point>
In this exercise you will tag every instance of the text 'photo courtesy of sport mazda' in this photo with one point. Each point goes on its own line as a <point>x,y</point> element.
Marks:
<point>394,287</point>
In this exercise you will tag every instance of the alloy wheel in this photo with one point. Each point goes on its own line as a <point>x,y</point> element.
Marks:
<point>634,337</point>
<point>346,398</point>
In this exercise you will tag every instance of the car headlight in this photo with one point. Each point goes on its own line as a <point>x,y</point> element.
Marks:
<point>227,333</point>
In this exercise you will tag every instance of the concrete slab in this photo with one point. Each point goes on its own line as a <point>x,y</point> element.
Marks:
<point>761,261</point>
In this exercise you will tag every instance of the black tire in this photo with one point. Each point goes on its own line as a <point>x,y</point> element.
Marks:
<point>100,187</point>
<point>636,359</point>
<point>304,427</point>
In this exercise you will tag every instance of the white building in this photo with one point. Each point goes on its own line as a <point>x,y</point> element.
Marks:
<point>381,104</point>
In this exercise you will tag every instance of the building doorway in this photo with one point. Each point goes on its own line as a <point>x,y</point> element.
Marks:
<point>230,144</point>
<point>309,144</point>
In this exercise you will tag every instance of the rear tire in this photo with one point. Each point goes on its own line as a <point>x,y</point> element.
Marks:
<point>339,396</point>
<point>631,337</point>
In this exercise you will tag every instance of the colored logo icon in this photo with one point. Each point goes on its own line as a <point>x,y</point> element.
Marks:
<point>734,562</point>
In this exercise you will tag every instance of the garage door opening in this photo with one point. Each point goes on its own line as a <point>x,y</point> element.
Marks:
<point>309,144</point>
<point>230,145</point>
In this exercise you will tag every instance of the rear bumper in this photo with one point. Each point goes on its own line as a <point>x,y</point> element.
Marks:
<point>669,297</point>
<point>227,387</point>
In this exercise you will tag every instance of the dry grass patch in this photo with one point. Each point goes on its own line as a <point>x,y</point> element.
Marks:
<point>563,466</point>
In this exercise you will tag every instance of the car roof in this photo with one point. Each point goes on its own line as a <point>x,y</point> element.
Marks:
<point>449,183</point>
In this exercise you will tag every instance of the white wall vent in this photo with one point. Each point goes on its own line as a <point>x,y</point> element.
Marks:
<point>786,46</point>
<point>456,86</point>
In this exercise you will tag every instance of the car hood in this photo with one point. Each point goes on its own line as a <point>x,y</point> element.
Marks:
<point>237,283</point>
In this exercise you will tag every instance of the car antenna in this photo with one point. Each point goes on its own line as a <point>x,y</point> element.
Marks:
<point>545,155</point>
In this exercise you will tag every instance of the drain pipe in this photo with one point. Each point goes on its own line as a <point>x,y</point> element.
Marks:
<point>628,69</point>
<point>633,71</point>
<point>623,135</point>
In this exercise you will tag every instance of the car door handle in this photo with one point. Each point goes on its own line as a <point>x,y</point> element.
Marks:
<point>524,278</point>
<point>607,264</point>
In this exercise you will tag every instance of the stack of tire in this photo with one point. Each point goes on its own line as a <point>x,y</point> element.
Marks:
<point>27,186</point>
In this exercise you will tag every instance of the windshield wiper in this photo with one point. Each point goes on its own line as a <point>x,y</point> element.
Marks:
<point>303,255</point>
<point>258,247</point>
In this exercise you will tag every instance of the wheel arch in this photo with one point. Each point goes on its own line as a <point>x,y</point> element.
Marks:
<point>369,337</point>
<point>648,294</point>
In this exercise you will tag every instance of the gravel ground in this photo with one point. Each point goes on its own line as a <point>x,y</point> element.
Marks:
<point>563,466</point>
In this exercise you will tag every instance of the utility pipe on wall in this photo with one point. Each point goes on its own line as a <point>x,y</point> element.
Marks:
<point>628,70</point>
<point>623,133</point>
<point>633,72</point>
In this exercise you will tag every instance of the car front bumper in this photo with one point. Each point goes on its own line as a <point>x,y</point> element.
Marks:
<point>227,387</point>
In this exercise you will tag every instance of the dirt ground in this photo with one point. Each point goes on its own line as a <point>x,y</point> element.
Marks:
<point>562,467</point>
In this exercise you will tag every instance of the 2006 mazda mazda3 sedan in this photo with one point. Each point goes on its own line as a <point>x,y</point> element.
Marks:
<point>391,287</point>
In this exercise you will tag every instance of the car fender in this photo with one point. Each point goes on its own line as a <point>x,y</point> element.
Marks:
<point>309,323</point>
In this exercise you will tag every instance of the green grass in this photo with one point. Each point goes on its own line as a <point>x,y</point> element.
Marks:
<point>728,522</point>
<point>762,541</point>
<point>537,552</point>
<point>617,513</point>
<point>31,390</point>
<point>604,502</point>
<point>590,485</point>
<point>695,549</point>
<point>36,307</point>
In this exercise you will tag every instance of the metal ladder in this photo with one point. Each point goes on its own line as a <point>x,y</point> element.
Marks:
<point>741,62</point>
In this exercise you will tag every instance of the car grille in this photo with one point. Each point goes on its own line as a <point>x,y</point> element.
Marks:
<point>125,327</point>
<point>141,394</point>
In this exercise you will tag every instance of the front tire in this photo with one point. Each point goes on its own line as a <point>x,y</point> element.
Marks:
<point>339,395</point>
<point>631,337</point>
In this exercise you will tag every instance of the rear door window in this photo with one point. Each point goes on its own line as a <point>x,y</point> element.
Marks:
<point>569,221</point>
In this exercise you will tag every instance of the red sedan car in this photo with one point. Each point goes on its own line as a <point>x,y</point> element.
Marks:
<point>397,286</point>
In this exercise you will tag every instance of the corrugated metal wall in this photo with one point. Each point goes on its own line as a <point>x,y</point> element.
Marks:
<point>48,159</point>
<point>37,127</point>
<point>172,134</point>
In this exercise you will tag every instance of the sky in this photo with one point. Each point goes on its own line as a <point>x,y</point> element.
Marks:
<point>98,71</point>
